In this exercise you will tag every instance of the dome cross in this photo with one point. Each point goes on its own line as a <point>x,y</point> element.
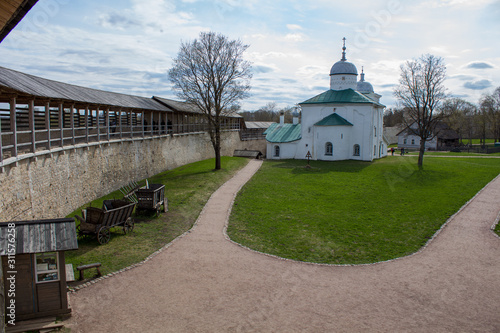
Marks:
<point>343,50</point>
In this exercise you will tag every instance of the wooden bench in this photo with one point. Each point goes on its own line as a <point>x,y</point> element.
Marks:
<point>82,268</point>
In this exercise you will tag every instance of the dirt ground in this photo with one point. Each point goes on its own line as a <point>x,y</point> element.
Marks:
<point>205,283</point>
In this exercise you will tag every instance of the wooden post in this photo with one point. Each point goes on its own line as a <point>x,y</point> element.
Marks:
<point>87,124</point>
<point>98,124</point>
<point>72,123</point>
<point>131,125</point>
<point>160,129</point>
<point>142,123</point>
<point>61,122</point>
<point>13,126</point>
<point>120,123</point>
<point>107,122</point>
<point>47,122</point>
<point>31,123</point>
<point>151,119</point>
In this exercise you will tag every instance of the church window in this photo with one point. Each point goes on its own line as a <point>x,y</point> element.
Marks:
<point>276,151</point>
<point>374,150</point>
<point>412,141</point>
<point>329,149</point>
<point>356,150</point>
<point>374,131</point>
<point>405,141</point>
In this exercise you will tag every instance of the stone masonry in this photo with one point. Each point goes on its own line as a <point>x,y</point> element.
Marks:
<point>55,184</point>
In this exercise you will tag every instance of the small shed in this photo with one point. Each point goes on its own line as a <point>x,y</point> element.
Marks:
<point>34,267</point>
<point>248,153</point>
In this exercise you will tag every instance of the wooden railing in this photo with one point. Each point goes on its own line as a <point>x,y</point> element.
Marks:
<point>28,131</point>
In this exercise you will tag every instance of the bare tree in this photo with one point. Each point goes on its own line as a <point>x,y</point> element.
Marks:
<point>460,117</point>
<point>211,74</point>
<point>490,107</point>
<point>393,117</point>
<point>420,91</point>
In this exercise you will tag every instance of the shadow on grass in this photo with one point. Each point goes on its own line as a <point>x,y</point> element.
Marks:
<point>321,167</point>
<point>173,174</point>
<point>425,177</point>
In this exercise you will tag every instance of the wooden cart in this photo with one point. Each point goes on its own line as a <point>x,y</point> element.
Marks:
<point>152,197</point>
<point>99,221</point>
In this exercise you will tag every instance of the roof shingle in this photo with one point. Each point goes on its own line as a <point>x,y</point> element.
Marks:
<point>277,133</point>
<point>333,120</point>
<point>341,96</point>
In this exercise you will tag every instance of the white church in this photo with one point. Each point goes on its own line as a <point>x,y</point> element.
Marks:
<point>345,122</point>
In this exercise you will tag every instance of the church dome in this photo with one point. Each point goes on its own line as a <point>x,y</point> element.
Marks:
<point>363,86</point>
<point>343,67</point>
<point>343,75</point>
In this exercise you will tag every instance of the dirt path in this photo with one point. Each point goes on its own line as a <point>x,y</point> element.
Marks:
<point>205,283</point>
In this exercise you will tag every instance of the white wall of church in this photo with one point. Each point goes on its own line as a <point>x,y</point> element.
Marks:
<point>281,151</point>
<point>341,82</point>
<point>367,132</point>
<point>338,136</point>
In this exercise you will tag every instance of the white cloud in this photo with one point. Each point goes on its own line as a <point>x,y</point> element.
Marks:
<point>131,43</point>
<point>296,37</point>
<point>293,27</point>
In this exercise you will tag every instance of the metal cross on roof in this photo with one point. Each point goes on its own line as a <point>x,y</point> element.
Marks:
<point>343,50</point>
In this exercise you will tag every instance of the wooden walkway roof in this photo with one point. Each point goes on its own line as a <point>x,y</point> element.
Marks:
<point>26,85</point>
<point>11,13</point>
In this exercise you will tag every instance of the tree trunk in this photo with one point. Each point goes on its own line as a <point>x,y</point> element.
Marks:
<point>421,154</point>
<point>217,145</point>
<point>217,160</point>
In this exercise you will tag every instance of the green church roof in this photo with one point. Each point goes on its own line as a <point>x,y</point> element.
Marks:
<point>333,120</point>
<point>341,96</point>
<point>285,133</point>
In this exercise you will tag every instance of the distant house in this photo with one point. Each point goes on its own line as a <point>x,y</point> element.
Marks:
<point>443,137</point>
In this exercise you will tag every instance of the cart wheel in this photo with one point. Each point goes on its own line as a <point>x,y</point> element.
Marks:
<point>103,235</point>
<point>79,232</point>
<point>128,226</point>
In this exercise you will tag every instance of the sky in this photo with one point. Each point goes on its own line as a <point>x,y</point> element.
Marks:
<point>127,46</point>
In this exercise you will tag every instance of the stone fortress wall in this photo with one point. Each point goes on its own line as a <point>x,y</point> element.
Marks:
<point>56,184</point>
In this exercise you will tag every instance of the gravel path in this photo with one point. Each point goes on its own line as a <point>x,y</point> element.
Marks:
<point>204,283</point>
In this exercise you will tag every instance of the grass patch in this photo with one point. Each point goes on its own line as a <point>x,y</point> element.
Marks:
<point>448,153</point>
<point>187,189</point>
<point>352,212</point>
<point>478,141</point>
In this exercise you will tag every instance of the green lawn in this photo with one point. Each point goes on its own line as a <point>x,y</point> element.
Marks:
<point>187,189</point>
<point>478,141</point>
<point>352,212</point>
<point>447,153</point>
